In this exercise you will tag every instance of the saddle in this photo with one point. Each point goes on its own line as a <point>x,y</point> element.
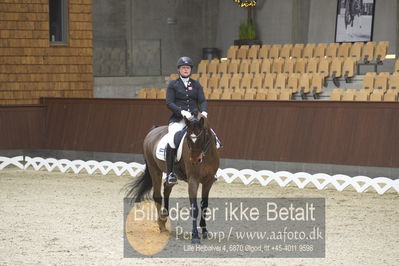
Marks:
<point>178,140</point>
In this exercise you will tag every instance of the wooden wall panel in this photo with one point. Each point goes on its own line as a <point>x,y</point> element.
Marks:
<point>119,125</point>
<point>78,8</point>
<point>12,7</point>
<point>47,78</point>
<point>318,132</point>
<point>22,127</point>
<point>30,66</point>
<point>351,133</point>
<point>60,51</point>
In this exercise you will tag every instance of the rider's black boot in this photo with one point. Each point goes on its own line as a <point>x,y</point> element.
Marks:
<point>171,178</point>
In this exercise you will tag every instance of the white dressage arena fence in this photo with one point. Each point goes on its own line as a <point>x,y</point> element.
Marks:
<point>229,175</point>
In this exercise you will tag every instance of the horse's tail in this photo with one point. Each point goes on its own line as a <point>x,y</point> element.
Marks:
<point>140,186</point>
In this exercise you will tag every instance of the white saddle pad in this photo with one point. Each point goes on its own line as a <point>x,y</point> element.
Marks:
<point>161,148</point>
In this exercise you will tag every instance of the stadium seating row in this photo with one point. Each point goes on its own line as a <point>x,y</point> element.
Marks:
<point>225,94</point>
<point>390,95</point>
<point>285,93</point>
<point>383,81</point>
<point>335,67</point>
<point>358,50</point>
<point>249,94</point>
<point>153,93</point>
<point>304,83</point>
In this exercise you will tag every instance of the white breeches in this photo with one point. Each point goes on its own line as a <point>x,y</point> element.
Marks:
<point>172,129</point>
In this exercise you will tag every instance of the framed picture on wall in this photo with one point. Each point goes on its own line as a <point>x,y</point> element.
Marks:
<point>354,21</point>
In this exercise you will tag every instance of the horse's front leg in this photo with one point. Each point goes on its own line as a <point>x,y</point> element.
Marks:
<point>192,193</point>
<point>204,205</point>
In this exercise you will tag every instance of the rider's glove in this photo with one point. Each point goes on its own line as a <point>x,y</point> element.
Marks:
<point>186,114</point>
<point>204,114</point>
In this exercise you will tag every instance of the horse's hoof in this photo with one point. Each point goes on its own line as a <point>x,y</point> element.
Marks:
<point>162,226</point>
<point>165,232</point>
<point>204,234</point>
<point>171,179</point>
<point>195,241</point>
<point>171,183</point>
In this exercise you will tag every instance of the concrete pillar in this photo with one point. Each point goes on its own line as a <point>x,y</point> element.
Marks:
<point>129,37</point>
<point>300,20</point>
<point>210,13</point>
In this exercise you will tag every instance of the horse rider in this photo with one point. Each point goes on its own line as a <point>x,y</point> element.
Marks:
<point>184,97</point>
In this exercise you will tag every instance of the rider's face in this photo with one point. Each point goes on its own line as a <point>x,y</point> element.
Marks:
<point>185,71</point>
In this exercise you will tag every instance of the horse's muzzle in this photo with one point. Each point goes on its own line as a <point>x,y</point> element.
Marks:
<point>196,160</point>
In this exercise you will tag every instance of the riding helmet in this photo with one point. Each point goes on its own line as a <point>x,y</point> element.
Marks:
<point>184,61</point>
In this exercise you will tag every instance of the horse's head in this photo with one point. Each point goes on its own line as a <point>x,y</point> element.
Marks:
<point>198,138</point>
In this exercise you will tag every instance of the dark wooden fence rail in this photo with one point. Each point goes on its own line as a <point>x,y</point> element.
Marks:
<point>351,133</point>
<point>22,127</point>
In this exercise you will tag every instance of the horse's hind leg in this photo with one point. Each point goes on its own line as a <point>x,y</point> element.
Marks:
<point>156,175</point>
<point>204,205</point>
<point>167,189</point>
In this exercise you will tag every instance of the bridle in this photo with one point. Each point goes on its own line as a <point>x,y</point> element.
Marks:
<point>204,149</point>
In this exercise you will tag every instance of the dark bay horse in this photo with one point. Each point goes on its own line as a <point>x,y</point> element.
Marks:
<point>199,163</point>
